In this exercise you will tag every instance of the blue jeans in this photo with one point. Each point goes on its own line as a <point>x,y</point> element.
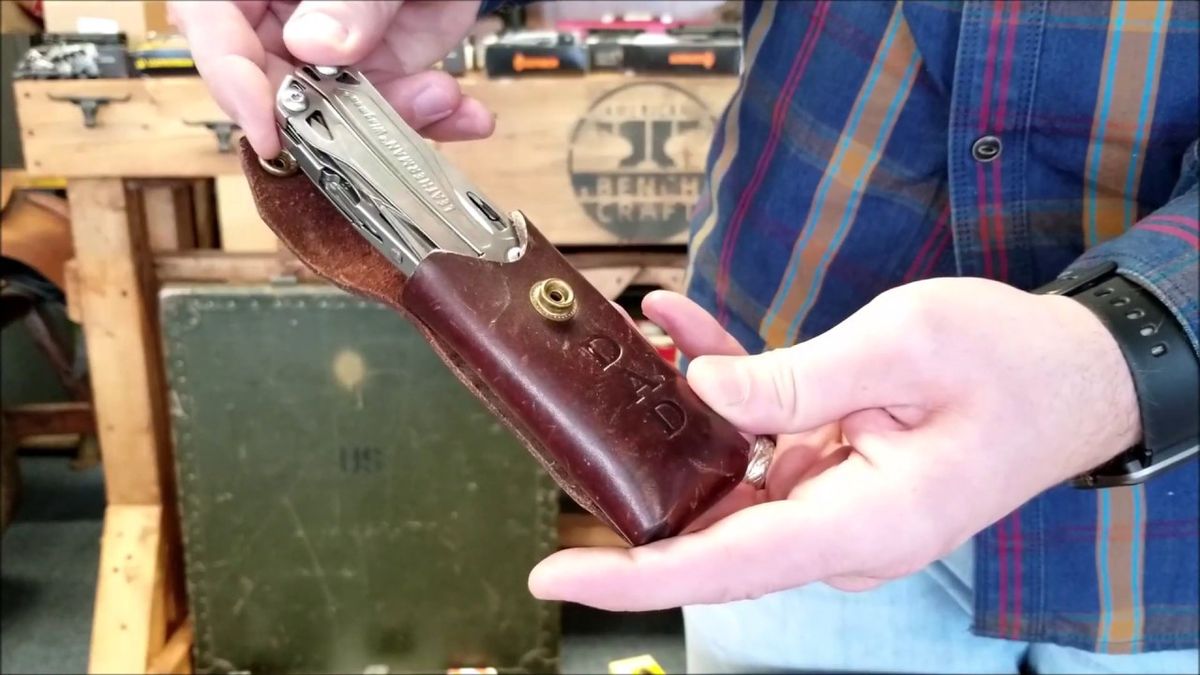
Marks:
<point>920,623</point>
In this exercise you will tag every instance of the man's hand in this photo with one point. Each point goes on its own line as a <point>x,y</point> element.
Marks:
<point>930,414</point>
<point>244,49</point>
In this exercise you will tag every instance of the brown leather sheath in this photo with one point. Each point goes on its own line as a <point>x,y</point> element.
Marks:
<point>610,420</point>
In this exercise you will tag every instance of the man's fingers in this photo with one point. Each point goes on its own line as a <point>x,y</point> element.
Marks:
<point>797,462</point>
<point>803,387</point>
<point>736,558</point>
<point>758,550</point>
<point>270,33</point>
<point>231,59</point>
<point>470,121</point>
<point>743,496</point>
<point>245,92</point>
<point>422,99</point>
<point>433,104</point>
<point>852,584</point>
<point>694,331</point>
<point>425,32</point>
<point>337,33</point>
<point>217,31</point>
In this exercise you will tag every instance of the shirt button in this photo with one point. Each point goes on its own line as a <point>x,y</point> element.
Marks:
<point>986,148</point>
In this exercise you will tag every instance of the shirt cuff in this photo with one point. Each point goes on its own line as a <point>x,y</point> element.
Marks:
<point>1162,251</point>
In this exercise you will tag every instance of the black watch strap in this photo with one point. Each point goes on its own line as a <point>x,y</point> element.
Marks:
<point>1165,370</point>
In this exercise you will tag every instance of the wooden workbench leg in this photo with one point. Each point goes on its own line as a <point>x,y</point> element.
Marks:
<point>127,628</point>
<point>115,301</point>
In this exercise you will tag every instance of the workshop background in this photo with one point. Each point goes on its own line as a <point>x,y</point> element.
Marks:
<point>214,461</point>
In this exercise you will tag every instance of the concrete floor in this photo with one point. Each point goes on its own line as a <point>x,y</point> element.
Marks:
<point>48,564</point>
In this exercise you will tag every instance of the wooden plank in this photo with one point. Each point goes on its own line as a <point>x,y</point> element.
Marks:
<point>603,159</point>
<point>135,19</point>
<point>43,419</point>
<point>241,228</point>
<point>168,213</point>
<point>610,281</point>
<point>670,278</point>
<point>204,216</point>
<point>52,444</point>
<point>580,529</point>
<point>145,136</point>
<point>219,266</point>
<point>122,351</point>
<point>71,290</point>
<point>175,656</point>
<point>124,634</point>
<point>628,256</point>
<point>162,227</point>
<point>118,299</point>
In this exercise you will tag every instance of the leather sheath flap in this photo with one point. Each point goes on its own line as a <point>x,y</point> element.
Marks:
<point>317,233</point>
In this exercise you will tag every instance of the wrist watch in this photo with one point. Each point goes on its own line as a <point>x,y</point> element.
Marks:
<point>1165,370</point>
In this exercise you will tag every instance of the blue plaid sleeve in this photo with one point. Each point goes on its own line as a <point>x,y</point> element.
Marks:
<point>1162,251</point>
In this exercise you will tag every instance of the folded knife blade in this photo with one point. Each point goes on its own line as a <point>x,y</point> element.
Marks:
<point>383,176</point>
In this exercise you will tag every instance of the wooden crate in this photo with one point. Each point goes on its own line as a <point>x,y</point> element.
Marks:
<point>602,159</point>
<point>147,130</point>
<point>135,18</point>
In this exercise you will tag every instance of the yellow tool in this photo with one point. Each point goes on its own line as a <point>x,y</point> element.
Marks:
<point>637,665</point>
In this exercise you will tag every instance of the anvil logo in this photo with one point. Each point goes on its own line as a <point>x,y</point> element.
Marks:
<point>637,159</point>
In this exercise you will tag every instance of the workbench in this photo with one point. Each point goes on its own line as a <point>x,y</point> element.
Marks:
<point>607,166</point>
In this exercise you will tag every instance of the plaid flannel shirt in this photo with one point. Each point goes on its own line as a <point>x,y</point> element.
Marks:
<point>844,166</point>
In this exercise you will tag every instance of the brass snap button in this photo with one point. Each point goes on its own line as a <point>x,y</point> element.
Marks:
<point>283,166</point>
<point>553,299</point>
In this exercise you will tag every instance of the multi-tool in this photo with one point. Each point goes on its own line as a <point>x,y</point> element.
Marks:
<point>613,422</point>
<point>382,175</point>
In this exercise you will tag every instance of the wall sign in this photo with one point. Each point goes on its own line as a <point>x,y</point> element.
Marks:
<point>637,158</point>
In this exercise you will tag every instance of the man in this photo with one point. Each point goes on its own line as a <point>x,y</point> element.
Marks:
<point>889,192</point>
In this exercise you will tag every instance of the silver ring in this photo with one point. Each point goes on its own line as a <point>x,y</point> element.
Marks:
<point>761,455</point>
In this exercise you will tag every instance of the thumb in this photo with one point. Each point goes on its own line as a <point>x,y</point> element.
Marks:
<point>337,33</point>
<point>800,388</point>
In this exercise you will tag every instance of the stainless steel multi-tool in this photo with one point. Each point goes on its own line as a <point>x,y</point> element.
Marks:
<point>382,175</point>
